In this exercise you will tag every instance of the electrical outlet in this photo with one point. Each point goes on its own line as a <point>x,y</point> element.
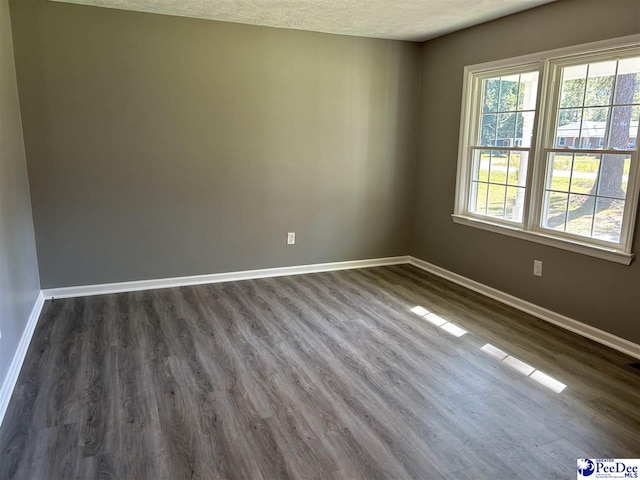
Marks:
<point>537,268</point>
<point>291,238</point>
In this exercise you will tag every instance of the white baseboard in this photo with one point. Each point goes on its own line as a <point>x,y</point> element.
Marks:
<point>106,288</point>
<point>10,380</point>
<point>567,323</point>
<point>595,334</point>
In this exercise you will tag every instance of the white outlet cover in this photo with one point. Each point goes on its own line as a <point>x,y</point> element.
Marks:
<point>291,238</point>
<point>537,268</point>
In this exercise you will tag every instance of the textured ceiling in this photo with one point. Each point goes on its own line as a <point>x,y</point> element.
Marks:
<point>397,19</point>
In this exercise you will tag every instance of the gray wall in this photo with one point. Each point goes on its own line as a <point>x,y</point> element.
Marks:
<point>19,284</point>
<point>162,146</point>
<point>593,291</point>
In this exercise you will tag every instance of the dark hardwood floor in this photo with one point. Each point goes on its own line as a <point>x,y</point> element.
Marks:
<point>321,376</point>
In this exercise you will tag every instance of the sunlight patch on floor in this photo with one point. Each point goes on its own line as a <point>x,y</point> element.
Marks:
<point>421,311</point>
<point>524,368</point>
<point>438,321</point>
<point>493,351</point>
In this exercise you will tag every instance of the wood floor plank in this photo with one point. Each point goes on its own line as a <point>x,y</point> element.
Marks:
<point>321,376</point>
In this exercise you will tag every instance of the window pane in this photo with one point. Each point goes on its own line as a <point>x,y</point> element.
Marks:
<point>573,86</point>
<point>600,83</point>
<point>555,206</point>
<point>498,173</point>
<point>608,220</point>
<point>580,215</point>
<point>501,167</point>
<point>624,128</point>
<point>528,92</point>
<point>506,130</point>
<point>595,204</point>
<point>595,123</point>
<point>631,66</point>
<point>481,162</point>
<point>635,121</point>
<point>508,93</point>
<point>627,82</point>
<point>568,130</point>
<point>518,164</point>
<point>624,125</point>
<point>598,125</point>
<point>560,171</point>
<point>524,129</point>
<point>614,176</point>
<point>495,207</point>
<point>514,204</point>
<point>496,199</point>
<point>633,128</point>
<point>585,173</point>
<point>488,130</point>
<point>479,198</point>
<point>490,95</point>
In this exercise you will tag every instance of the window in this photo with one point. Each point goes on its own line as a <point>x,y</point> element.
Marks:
<point>499,175</point>
<point>548,148</point>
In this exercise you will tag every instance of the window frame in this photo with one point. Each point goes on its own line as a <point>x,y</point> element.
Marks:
<point>549,64</point>
<point>472,121</point>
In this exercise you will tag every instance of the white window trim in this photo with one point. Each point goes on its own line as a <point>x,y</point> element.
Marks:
<point>529,230</point>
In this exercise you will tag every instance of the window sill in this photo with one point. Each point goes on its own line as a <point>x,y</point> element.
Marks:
<point>603,253</point>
